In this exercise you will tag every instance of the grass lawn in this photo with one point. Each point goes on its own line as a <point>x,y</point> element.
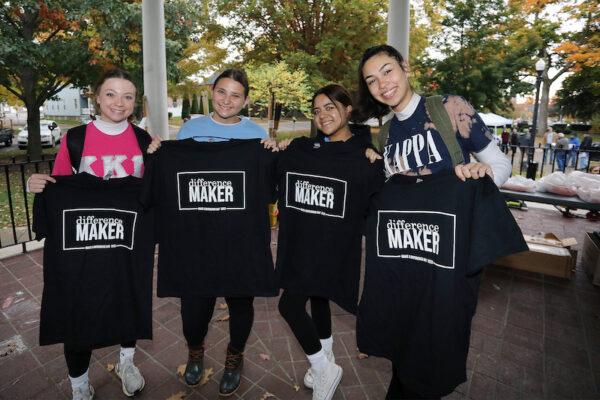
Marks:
<point>14,175</point>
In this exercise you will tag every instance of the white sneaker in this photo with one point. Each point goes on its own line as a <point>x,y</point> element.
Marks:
<point>132,380</point>
<point>308,377</point>
<point>326,381</point>
<point>83,393</point>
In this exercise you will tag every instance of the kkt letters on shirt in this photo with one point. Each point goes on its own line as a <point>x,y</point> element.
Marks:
<point>316,194</point>
<point>212,190</point>
<point>426,236</point>
<point>98,228</point>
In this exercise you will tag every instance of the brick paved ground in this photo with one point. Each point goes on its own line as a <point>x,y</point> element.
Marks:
<point>533,337</point>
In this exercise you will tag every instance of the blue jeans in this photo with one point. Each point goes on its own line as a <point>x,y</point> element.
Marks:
<point>548,150</point>
<point>560,156</point>
<point>571,157</point>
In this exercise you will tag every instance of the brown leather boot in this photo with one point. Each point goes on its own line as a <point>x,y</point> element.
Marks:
<point>232,376</point>
<point>194,370</point>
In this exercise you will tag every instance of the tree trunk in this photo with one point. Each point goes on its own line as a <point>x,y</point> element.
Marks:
<point>34,143</point>
<point>543,107</point>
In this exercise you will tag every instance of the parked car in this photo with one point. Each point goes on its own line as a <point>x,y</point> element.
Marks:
<point>6,136</point>
<point>50,134</point>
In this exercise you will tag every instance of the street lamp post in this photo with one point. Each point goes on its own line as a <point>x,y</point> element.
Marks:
<point>532,170</point>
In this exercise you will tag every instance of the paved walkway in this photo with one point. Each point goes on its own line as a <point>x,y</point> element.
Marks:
<point>533,337</point>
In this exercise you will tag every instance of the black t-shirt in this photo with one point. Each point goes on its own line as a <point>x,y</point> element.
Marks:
<point>98,261</point>
<point>428,239</point>
<point>324,193</point>
<point>214,234</point>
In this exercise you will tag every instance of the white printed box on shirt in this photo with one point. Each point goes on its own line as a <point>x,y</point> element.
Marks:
<point>316,194</point>
<point>98,228</point>
<point>427,236</point>
<point>211,190</point>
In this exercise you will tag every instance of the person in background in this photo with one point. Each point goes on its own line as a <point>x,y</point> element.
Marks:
<point>562,146</point>
<point>585,147</point>
<point>505,138</point>
<point>524,138</point>
<point>547,142</point>
<point>573,148</point>
<point>514,141</point>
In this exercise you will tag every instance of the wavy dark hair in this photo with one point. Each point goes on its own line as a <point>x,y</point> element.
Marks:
<point>238,76</point>
<point>111,73</point>
<point>334,93</point>
<point>366,106</point>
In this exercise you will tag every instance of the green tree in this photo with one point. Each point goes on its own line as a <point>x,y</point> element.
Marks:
<point>481,60</point>
<point>323,38</point>
<point>580,94</point>
<point>567,52</point>
<point>290,87</point>
<point>194,109</point>
<point>48,45</point>
<point>185,108</point>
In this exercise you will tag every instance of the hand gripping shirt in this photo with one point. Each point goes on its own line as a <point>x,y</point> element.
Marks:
<point>214,234</point>
<point>428,239</point>
<point>415,147</point>
<point>98,262</point>
<point>324,193</point>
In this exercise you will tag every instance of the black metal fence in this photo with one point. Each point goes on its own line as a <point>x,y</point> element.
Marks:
<point>16,204</point>
<point>549,160</point>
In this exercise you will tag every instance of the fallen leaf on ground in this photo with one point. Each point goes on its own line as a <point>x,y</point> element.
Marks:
<point>7,302</point>
<point>267,395</point>
<point>181,369</point>
<point>222,306</point>
<point>178,395</point>
<point>296,388</point>
<point>265,357</point>
<point>10,349</point>
<point>362,356</point>
<point>110,367</point>
<point>495,286</point>
<point>223,319</point>
<point>207,373</point>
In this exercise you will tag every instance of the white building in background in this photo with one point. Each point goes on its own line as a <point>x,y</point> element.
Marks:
<point>70,104</point>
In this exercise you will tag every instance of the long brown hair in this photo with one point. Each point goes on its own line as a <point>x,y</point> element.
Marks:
<point>366,105</point>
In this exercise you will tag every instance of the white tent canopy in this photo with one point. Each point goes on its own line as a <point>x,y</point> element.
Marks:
<point>492,119</point>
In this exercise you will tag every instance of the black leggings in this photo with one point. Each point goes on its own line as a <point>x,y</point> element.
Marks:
<point>397,390</point>
<point>196,313</point>
<point>78,361</point>
<point>308,330</point>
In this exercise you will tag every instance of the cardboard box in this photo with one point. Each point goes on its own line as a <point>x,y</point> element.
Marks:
<point>590,257</point>
<point>547,255</point>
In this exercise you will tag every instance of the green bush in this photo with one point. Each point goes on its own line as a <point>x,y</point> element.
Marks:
<point>185,109</point>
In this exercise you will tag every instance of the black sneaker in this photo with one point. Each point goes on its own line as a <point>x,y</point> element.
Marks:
<point>194,370</point>
<point>232,376</point>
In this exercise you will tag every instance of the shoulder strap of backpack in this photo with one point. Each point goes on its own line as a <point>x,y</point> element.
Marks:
<point>384,133</point>
<point>143,138</point>
<point>440,118</point>
<point>75,139</point>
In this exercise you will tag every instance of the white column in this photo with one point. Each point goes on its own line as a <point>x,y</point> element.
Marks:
<point>399,25</point>
<point>155,67</point>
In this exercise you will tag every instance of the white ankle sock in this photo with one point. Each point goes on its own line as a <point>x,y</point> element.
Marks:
<point>318,361</point>
<point>327,344</point>
<point>80,382</point>
<point>126,352</point>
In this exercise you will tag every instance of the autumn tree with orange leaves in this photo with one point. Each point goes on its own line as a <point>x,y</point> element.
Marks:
<point>564,50</point>
<point>48,45</point>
